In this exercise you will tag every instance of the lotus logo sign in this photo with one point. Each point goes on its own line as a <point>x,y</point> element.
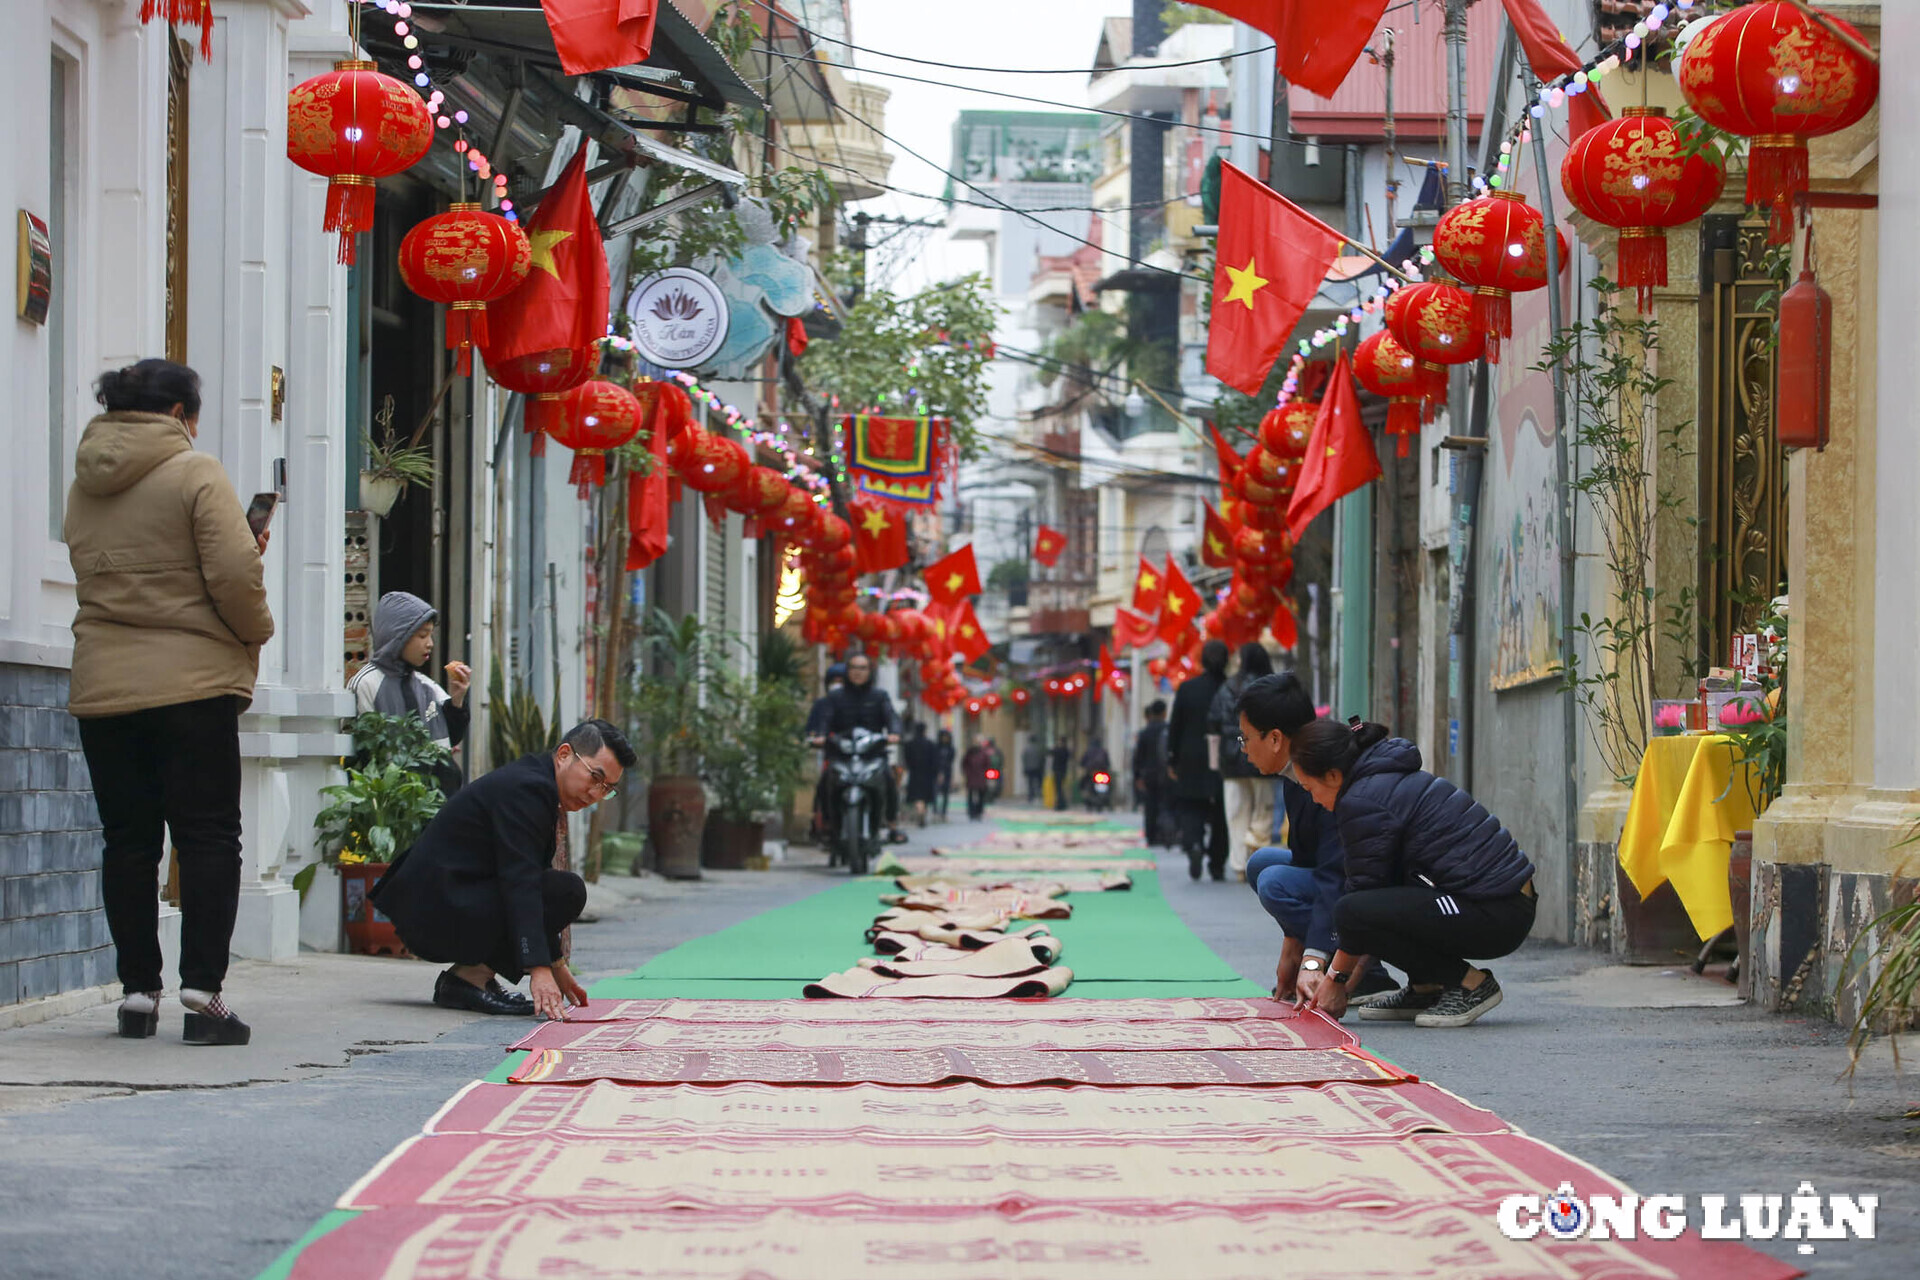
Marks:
<point>679,318</point>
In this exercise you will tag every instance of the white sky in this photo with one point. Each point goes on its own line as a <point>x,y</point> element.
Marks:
<point>1011,33</point>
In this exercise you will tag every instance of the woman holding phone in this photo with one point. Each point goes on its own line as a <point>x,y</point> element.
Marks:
<point>166,648</point>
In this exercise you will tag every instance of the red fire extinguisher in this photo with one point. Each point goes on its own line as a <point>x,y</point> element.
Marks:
<point>1806,359</point>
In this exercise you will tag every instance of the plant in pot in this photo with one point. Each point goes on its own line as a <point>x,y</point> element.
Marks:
<point>671,719</point>
<point>391,466</point>
<point>752,758</point>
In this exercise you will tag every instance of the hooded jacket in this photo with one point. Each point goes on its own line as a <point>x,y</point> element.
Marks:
<point>173,603</point>
<point>388,685</point>
<point>1401,825</point>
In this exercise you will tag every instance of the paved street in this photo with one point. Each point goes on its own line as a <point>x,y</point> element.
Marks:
<point>160,1160</point>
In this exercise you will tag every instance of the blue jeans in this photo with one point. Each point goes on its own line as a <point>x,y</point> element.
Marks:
<point>1286,891</point>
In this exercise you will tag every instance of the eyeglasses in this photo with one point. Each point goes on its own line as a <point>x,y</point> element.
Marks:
<point>606,789</point>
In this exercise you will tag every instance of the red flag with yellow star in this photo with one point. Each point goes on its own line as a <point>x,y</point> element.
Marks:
<point>1182,607</point>
<point>1130,630</point>
<point>879,537</point>
<point>1272,257</point>
<point>1340,456</point>
<point>939,631</point>
<point>1317,42</point>
<point>969,637</point>
<point>952,578</point>
<point>563,300</point>
<point>1149,588</point>
<point>1229,460</point>
<point>1216,541</point>
<point>1047,546</point>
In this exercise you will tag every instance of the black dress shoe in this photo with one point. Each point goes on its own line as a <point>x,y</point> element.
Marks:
<point>205,1028</point>
<point>1193,866</point>
<point>451,992</point>
<point>1218,873</point>
<point>512,997</point>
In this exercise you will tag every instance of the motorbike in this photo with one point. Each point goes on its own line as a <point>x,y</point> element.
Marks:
<point>1099,790</point>
<point>856,769</point>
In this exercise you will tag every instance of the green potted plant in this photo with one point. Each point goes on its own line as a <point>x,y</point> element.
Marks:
<point>671,718</point>
<point>390,466</point>
<point>752,758</point>
<point>370,819</point>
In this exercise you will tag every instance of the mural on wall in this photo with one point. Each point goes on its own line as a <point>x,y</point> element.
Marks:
<point>1523,515</point>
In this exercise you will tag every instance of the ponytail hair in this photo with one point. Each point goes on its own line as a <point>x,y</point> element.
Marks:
<point>150,386</point>
<point>1326,746</point>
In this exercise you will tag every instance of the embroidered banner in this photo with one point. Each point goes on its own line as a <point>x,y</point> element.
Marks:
<point>899,460</point>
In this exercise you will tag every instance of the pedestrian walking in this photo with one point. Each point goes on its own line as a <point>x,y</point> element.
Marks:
<point>478,891</point>
<point>974,766</point>
<point>943,765</point>
<point>923,764</point>
<point>1150,772</point>
<point>166,649</point>
<point>394,682</point>
<point>1197,800</point>
<point>1033,763</point>
<point>1060,757</point>
<point>1433,880</point>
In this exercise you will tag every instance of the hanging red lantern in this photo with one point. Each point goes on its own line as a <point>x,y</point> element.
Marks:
<point>1255,546</point>
<point>793,515</point>
<point>1213,625</point>
<point>1385,368</point>
<point>1269,519</point>
<point>1433,320</point>
<point>1806,361</point>
<point>707,461</point>
<point>833,532</point>
<point>1635,173</point>
<point>1498,245</point>
<point>1255,492</point>
<point>594,417</point>
<point>993,701</point>
<point>1253,600</point>
<point>1773,73</point>
<point>1286,430</point>
<point>543,377</point>
<point>353,125</point>
<point>1271,469</point>
<point>464,258</point>
<point>975,706</point>
<point>1156,667</point>
<point>759,493</point>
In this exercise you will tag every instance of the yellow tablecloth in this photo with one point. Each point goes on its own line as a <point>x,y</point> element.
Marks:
<point>1681,824</point>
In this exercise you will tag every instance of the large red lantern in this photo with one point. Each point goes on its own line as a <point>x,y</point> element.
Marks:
<point>543,377</point>
<point>1256,546</point>
<point>1497,244</point>
<point>707,461</point>
<point>464,258</point>
<point>833,533</point>
<point>1021,697</point>
<point>794,514</point>
<point>353,125</point>
<point>1635,173</point>
<point>1433,320</point>
<point>1285,431</point>
<point>594,417</point>
<point>1772,73</point>
<point>1271,469</point>
<point>1270,517</point>
<point>760,492</point>
<point>1385,368</point>
<point>993,701</point>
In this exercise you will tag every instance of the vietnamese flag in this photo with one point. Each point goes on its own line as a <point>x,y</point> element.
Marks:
<point>594,35</point>
<point>563,300</point>
<point>1340,456</point>
<point>1548,53</point>
<point>1131,630</point>
<point>1047,546</point>
<point>1285,629</point>
<point>969,637</point>
<point>1272,258</point>
<point>1182,608</point>
<point>1229,460</point>
<point>939,631</point>
<point>1317,41</point>
<point>952,578</point>
<point>1216,541</point>
<point>648,507</point>
<point>879,537</point>
<point>1109,674</point>
<point>1148,589</point>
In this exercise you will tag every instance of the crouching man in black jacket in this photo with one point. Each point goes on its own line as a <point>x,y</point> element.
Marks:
<point>479,889</point>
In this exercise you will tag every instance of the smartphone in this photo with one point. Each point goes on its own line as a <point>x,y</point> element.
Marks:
<point>260,512</point>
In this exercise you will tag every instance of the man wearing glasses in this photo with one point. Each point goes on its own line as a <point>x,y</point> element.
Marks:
<point>479,891</point>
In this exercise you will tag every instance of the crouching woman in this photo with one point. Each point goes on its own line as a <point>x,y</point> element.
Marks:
<point>1432,878</point>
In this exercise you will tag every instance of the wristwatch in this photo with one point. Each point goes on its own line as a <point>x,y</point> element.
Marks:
<point>1312,964</point>
<point>1338,977</point>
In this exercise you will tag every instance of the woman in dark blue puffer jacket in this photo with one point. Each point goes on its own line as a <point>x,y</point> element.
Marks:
<point>1432,877</point>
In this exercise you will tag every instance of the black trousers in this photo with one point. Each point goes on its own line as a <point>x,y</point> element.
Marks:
<point>176,768</point>
<point>483,938</point>
<point>1035,785</point>
<point>1059,790</point>
<point>1429,934</point>
<point>1150,817</point>
<point>976,802</point>
<point>1203,826</point>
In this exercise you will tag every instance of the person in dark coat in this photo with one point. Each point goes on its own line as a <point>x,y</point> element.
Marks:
<point>1197,801</point>
<point>479,889</point>
<point>943,765</point>
<point>1150,772</point>
<point>923,762</point>
<point>974,766</point>
<point>1033,763</point>
<point>860,704</point>
<point>1432,878</point>
<point>1244,793</point>
<point>1060,757</point>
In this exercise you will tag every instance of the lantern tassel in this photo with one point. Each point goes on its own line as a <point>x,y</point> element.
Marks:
<point>466,326</point>
<point>1493,316</point>
<point>716,508</point>
<point>349,211</point>
<point>1777,171</point>
<point>1643,263</point>
<point>1403,416</point>
<point>184,13</point>
<point>542,416</point>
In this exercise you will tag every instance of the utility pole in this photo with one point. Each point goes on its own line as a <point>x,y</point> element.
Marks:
<point>1277,138</point>
<point>1387,132</point>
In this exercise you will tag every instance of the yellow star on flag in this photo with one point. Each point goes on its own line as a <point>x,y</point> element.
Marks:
<point>543,245</point>
<point>1245,284</point>
<point>1176,604</point>
<point>1148,582</point>
<point>955,581</point>
<point>874,522</point>
<point>1331,451</point>
<point>1215,545</point>
<point>966,629</point>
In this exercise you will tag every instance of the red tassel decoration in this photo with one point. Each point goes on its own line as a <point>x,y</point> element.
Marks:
<point>1643,263</point>
<point>466,326</point>
<point>1493,316</point>
<point>542,416</point>
<point>1777,171</point>
<point>589,470</point>
<point>349,211</point>
<point>184,13</point>
<point>716,508</point>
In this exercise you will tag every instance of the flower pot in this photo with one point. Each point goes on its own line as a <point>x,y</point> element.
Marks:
<point>369,933</point>
<point>378,493</point>
<point>676,816</point>
<point>728,844</point>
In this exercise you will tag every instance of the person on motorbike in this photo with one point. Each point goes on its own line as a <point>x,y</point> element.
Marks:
<point>1094,760</point>
<point>816,734</point>
<point>859,704</point>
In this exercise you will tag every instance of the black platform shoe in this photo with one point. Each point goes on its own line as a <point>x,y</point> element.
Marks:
<point>207,1028</point>
<point>137,1024</point>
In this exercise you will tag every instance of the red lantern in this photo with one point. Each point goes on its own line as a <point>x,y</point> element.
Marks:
<point>1157,667</point>
<point>760,492</point>
<point>1255,546</point>
<point>1213,625</point>
<point>1771,73</point>
<point>1271,518</point>
<point>593,418</point>
<point>1433,320</point>
<point>543,377</point>
<point>353,125</point>
<point>993,701</point>
<point>1021,697</point>
<point>794,514</point>
<point>1385,368</point>
<point>1253,600</point>
<point>974,706</point>
<point>708,462</point>
<point>834,533</point>
<point>1806,359</point>
<point>1634,173</point>
<point>1271,469</point>
<point>464,258</point>
<point>1286,430</point>
<point>1497,244</point>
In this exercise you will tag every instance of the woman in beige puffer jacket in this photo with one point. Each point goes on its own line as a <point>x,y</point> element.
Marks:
<point>173,611</point>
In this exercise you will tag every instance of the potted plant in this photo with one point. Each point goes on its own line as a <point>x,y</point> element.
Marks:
<point>671,718</point>
<point>752,758</point>
<point>390,466</point>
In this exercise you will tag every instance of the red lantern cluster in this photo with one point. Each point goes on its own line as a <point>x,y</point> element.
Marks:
<point>353,126</point>
<point>1434,321</point>
<point>1775,74</point>
<point>1412,390</point>
<point>1498,245</point>
<point>1635,173</point>
<point>543,377</point>
<point>592,418</point>
<point>464,258</point>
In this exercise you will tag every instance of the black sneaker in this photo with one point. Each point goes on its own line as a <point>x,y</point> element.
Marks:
<point>1401,1005</point>
<point>1458,1006</point>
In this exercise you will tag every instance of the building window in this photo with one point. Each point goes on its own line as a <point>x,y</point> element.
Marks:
<point>62,166</point>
